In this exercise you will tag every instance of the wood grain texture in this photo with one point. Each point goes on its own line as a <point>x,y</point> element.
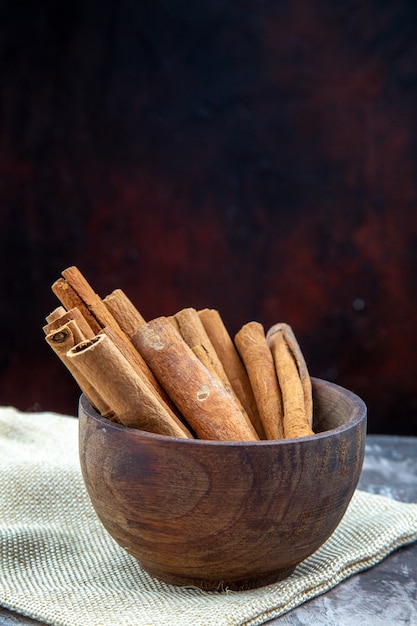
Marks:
<point>219,514</point>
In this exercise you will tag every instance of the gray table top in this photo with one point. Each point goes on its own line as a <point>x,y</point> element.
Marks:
<point>384,594</point>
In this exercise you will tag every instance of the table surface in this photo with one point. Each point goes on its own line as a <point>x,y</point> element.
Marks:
<point>384,594</point>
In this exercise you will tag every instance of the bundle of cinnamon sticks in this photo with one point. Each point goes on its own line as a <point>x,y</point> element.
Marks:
<point>181,375</point>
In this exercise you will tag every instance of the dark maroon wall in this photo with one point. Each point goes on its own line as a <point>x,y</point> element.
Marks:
<point>255,157</point>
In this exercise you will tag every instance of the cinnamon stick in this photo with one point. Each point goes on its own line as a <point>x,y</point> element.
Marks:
<point>141,368</point>
<point>296,422</point>
<point>124,312</point>
<point>63,339</point>
<point>74,287</point>
<point>135,404</point>
<point>294,348</point>
<point>232,364</point>
<point>55,314</point>
<point>73,314</point>
<point>256,355</point>
<point>210,410</point>
<point>195,336</point>
<point>193,332</point>
<point>174,322</point>
<point>71,300</point>
<point>91,300</point>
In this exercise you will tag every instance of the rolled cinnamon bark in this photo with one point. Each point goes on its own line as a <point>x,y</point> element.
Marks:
<point>295,350</point>
<point>193,332</point>
<point>71,300</point>
<point>124,312</point>
<point>296,423</point>
<point>75,288</point>
<point>232,364</point>
<point>256,355</point>
<point>132,400</point>
<point>73,314</point>
<point>173,321</point>
<point>63,339</point>
<point>211,411</point>
<point>195,336</point>
<point>55,314</point>
<point>91,300</point>
<point>141,368</point>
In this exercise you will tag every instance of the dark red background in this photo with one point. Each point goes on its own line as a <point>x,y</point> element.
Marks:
<point>255,157</point>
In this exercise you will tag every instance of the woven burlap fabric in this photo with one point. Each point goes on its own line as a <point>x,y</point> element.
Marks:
<point>59,565</point>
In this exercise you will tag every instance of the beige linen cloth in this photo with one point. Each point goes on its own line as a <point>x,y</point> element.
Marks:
<point>58,564</point>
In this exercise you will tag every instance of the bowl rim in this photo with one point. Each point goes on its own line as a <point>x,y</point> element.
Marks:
<point>359,414</point>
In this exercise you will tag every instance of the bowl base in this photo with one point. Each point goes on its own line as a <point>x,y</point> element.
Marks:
<point>224,585</point>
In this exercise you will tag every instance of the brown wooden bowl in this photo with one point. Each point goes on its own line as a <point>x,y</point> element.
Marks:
<point>224,514</point>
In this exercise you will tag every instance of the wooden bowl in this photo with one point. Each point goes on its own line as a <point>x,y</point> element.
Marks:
<point>224,514</point>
